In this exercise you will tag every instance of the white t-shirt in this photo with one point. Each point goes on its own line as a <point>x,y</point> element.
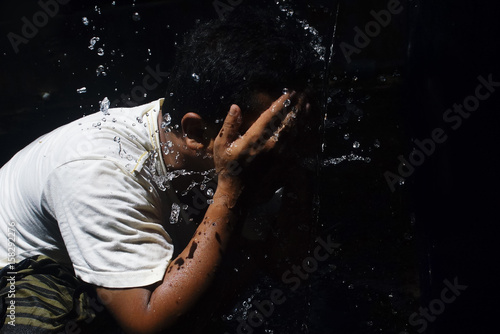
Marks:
<point>84,195</point>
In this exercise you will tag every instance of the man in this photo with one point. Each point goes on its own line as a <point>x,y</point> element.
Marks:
<point>100,196</point>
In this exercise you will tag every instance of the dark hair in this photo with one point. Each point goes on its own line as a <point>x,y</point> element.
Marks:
<point>227,61</point>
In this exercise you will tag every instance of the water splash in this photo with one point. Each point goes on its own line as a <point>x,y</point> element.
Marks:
<point>174,213</point>
<point>349,157</point>
<point>163,181</point>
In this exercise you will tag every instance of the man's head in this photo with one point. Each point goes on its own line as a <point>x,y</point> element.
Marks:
<point>246,59</point>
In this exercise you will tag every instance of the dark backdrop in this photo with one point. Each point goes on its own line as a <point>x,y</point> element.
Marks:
<point>398,244</point>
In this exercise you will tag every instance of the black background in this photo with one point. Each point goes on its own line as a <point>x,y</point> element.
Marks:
<point>397,247</point>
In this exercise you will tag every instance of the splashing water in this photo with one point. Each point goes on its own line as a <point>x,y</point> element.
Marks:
<point>163,181</point>
<point>166,121</point>
<point>317,40</point>
<point>349,157</point>
<point>174,213</point>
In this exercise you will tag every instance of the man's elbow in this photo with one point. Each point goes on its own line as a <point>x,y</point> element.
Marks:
<point>132,310</point>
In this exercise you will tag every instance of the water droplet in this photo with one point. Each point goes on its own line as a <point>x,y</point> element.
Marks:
<point>346,136</point>
<point>85,21</point>
<point>136,17</point>
<point>382,78</point>
<point>196,77</point>
<point>100,52</point>
<point>356,144</point>
<point>100,70</point>
<point>285,91</point>
<point>105,106</point>
<point>98,10</point>
<point>117,139</point>
<point>287,103</point>
<point>350,287</point>
<point>93,41</point>
<point>81,90</point>
<point>376,144</point>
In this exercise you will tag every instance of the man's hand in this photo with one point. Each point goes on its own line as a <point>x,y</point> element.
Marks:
<point>235,155</point>
<point>155,308</point>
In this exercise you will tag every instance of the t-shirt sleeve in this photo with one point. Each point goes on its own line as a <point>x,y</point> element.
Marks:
<point>110,221</point>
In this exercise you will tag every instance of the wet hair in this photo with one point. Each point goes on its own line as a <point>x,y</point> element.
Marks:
<point>227,61</point>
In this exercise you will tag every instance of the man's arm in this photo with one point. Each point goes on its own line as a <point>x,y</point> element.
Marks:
<point>155,308</point>
<point>151,309</point>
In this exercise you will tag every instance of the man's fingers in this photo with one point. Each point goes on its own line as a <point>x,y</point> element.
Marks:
<point>261,125</point>
<point>287,126</point>
<point>231,126</point>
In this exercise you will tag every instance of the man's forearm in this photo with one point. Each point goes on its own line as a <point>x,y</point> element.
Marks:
<point>187,276</point>
<point>192,271</point>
